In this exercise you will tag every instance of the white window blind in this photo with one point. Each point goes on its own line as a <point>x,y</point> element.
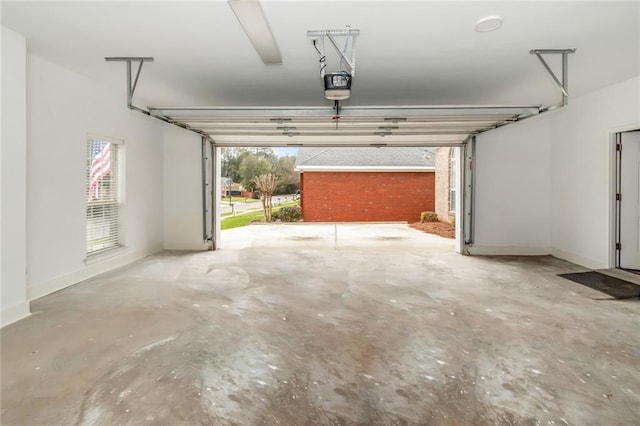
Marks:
<point>103,195</point>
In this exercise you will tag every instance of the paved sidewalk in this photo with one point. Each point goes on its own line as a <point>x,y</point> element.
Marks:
<point>257,204</point>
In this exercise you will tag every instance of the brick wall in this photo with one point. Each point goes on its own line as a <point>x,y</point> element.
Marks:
<point>366,196</point>
<point>442,184</point>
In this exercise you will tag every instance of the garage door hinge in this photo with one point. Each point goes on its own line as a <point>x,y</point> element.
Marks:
<point>618,197</point>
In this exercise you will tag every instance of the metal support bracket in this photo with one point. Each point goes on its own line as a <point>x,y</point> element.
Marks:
<point>564,84</point>
<point>131,85</point>
<point>331,36</point>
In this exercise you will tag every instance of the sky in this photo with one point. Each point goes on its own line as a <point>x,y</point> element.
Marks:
<point>283,152</point>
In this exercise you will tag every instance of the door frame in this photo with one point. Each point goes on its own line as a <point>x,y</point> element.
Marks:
<point>465,194</point>
<point>615,177</point>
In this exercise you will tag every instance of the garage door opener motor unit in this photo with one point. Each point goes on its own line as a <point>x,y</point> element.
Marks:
<point>337,85</point>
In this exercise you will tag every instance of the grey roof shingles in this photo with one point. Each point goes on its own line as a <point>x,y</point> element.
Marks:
<point>366,157</point>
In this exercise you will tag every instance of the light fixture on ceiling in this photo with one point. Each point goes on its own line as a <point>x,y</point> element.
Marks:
<point>489,23</point>
<point>255,25</point>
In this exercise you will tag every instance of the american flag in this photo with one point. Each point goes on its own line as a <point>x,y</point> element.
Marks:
<point>100,166</point>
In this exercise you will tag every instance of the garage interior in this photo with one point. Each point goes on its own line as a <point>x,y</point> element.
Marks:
<point>180,326</point>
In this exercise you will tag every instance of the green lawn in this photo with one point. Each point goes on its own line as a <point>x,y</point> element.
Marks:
<point>243,219</point>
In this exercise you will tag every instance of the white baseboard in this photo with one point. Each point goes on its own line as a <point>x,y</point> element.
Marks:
<point>170,245</point>
<point>35,291</point>
<point>577,259</point>
<point>537,251</point>
<point>508,251</point>
<point>14,313</point>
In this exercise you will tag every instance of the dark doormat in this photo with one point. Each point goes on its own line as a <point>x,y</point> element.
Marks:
<point>633,271</point>
<point>614,287</point>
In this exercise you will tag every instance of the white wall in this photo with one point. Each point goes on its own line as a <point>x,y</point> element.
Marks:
<point>13,179</point>
<point>581,170</point>
<point>512,189</point>
<point>543,185</point>
<point>182,190</point>
<point>63,108</point>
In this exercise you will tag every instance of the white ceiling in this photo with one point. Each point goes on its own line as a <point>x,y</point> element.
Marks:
<point>408,53</point>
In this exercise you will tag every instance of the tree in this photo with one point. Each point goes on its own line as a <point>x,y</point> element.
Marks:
<point>266,153</point>
<point>288,178</point>
<point>243,165</point>
<point>231,160</point>
<point>266,184</point>
<point>252,166</point>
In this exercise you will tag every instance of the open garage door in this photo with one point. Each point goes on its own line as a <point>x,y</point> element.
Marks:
<point>397,125</point>
<point>357,127</point>
<point>351,198</point>
<point>351,186</point>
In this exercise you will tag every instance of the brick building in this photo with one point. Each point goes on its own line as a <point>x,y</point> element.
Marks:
<point>446,185</point>
<point>366,184</point>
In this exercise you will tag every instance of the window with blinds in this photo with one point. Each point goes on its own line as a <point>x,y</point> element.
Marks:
<point>103,195</point>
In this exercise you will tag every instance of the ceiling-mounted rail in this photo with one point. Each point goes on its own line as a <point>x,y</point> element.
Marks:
<point>132,83</point>
<point>305,124</point>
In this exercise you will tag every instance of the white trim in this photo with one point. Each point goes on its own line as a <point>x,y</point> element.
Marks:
<point>508,251</point>
<point>611,189</point>
<point>35,291</point>
<point>625,128</point>
<point>14,313</point>
<point>364,169</point>
<point>611,211</point>
<point>115,141</point>
<point>577,259</point>
<point>202,246</point>
<point>105,255</point>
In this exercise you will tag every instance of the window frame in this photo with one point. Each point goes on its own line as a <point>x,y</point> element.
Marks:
<point>117,154</point>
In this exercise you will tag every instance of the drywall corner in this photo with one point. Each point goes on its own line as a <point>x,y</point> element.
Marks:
<point>579,260</point>
<point>13,178</point>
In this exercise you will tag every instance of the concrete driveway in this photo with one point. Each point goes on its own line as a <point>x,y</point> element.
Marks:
<point>370,236</point>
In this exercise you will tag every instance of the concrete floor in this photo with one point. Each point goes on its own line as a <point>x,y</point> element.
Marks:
<point>393,328</point>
